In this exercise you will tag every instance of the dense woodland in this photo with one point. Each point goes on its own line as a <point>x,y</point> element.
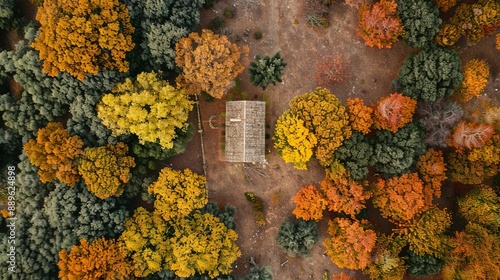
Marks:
<point>95,95</point>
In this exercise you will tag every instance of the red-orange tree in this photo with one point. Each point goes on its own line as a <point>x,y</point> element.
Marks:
<point>81,37</point>
<point>394,111</point>
<point>209,63</point>
<point>360,115</point>
<point>54,152</point>
<point>106,169</point>
<point>469,135</point>
<point>350,243</point>
<point>342,193</point>
<point>309,204</point>
<point>379,24</point>
<point>400,199</point>
<point>100,259</point>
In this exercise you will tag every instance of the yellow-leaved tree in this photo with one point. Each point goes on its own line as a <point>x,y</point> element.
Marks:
<point>54,152</point>
<point>83,37</point>
<point>146,241</point>
<point>178,193</point>
<point>326,118</point>
<point>147,107</point>
<point>106,169</point>
<point>476,73</point>
<point>209,62</point>
<point>294,142</point>
<point>100,259</point>
<point>203,244</point>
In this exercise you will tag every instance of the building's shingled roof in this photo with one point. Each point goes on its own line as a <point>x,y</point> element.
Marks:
<point>245,131</point>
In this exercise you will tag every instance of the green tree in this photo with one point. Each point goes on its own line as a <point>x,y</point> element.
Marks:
<point>178,193</point>
<point>297,238</point>
<point>266,70</point>
<point>430,75</point>
<point>326,118</point>
<point>10,15</point>
<point>259,273</point>
<point>106,169</point>
<point>148,107</point>
<point>355,154</point>
<point>395,153</point>
<point>99,32</point>
<point>294,142</point>
<point>425,265</point>
<point>420,20</point>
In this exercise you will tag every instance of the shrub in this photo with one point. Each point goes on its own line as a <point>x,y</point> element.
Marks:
<point>332,69</point>
<point>267,70</point>
<point>258,208</point>
<point>257,35</point>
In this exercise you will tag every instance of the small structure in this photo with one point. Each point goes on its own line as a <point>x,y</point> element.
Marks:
<point>245,131</point>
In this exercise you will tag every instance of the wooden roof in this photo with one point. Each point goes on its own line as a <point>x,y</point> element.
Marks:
<point>245,131</point>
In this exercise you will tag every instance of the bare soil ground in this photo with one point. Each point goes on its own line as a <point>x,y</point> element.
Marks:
<point>301,46</point>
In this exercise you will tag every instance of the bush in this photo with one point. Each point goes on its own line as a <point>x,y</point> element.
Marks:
<point>258,208</point>
<point>217,24</point>
<point>297,239</point>
<point>257,35</point>
<point>228,13</point>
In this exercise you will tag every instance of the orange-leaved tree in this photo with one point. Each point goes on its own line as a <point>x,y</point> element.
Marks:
<point>342,193</point>
<point>468,135</point>
<point>106,169</point>
<point>476,73</point>
<point>463,170</point>
<point>432,170</point>
<point>394,111</point>
<point>427,234</point>
<point>360,115</point>
<point>309,204</point>
<point>293,141</point>
<point>400,199</point>
<point>379,24</point>
<point>54,152</point>
<point>100,259</point>
<point>350,243</point>
<point>83,37</point>
<point>209,63</point>
<point>445,5</point>
<point>323,115</point>
<point>178,193</point>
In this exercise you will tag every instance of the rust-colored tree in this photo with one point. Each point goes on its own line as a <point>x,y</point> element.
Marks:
<point>178,193</point>
<point>393,112</point>
<point>332,70</point>
<point>432,170</point>
<point>400,199</point>
<point>54,152</point>
<point>350,243</point>
<point>309,204</point>
<point>476,73</point>
<point>468,135</point>
<point>445,5</point>
<point>342,193</point>
<point>475,255</point>
<point>100,259</point>
<point>379,24</point>
<point>427,234</point>
<point>360,115</point>
<point>209,63</point>
<point>83,37</point>
<point>106,169</point>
